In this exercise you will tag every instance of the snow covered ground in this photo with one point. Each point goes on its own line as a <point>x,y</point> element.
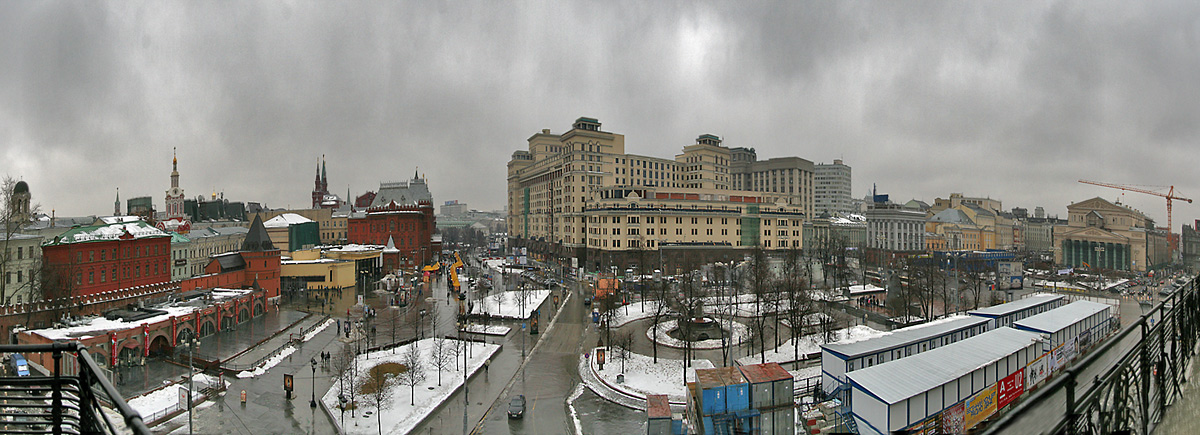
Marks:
<point>643,377</point>
<point>659,334</point>
<point>318,329</point>
<point>400,417</point>
<point>812,344</point>
<point>163,401</point>
<point>487,329</point>
<point>508,304</point>
<point>266,365</point>
<point>634,311</point>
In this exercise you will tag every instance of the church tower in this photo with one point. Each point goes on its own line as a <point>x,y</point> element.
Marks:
<point>174,199</point>
<point>20,203</point>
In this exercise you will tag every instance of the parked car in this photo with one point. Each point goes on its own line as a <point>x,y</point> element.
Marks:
<point>516,406</point>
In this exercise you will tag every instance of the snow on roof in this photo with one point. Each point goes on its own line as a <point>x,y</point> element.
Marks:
<point>354,247</point>
<point>900,379</point>
<point>1015,306</point>
<point>285,220</point>
<point>317,261</point>
<point>100,325</point>
<point>1061,317</point>
<point>865,289</point>
<point>906,336</point>
<point>109,220</point>
<point>138,229</point>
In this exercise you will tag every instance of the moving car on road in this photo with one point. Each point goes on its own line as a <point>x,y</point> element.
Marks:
<point>516,406</point>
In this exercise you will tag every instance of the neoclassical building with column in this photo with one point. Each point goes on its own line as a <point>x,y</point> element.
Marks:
<point>1101,234</point>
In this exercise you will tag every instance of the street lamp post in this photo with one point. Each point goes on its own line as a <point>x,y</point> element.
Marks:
<point>191,342</point>
<point>312,403</point>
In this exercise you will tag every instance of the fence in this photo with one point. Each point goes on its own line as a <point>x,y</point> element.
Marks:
<point>1131,395</point>
<point>273,353</point>
<point>172,410</point>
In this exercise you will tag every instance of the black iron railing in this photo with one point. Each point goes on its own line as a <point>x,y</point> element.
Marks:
<point>1148,363</point>
<point>60,403</point>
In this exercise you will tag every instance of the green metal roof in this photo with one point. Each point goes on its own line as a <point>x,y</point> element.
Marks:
<point>106,232</point>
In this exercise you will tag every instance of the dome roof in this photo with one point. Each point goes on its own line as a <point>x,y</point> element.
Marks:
<point>21,187</point>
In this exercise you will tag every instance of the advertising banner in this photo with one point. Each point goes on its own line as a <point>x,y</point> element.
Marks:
<point>1052,359</point>
<point>1085,339</point>
<point>1037,371</point>
<point>979,407</point>
<point>952,419</point>
<point>1010,388</point>
<point>1065,353</point>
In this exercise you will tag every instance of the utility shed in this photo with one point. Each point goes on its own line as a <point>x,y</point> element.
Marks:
<point>1071,321</point>
<point>1006,314</point>
<point>840,358</point>
<point>895,395</point>
<point>658,415</point>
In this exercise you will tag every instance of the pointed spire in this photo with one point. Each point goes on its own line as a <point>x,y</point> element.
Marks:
<point>417,173</point>
<point>174,160</point>
<point>324,179</point>
<point>318,178</point>
<point>257,238</point>
<point>117,203</point>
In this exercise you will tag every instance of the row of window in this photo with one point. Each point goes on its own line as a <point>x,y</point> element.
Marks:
<point>137,252</point>
<point>137,271</point>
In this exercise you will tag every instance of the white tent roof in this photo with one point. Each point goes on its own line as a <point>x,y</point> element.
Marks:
<point>905,336</point>
<point>1061,317</point>
<point>906,377</point>
<point>285,219</point>
<point>1015,306</point>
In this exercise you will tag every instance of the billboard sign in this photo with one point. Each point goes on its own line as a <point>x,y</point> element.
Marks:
<point>1010,388</point>
<point>952,419</point>
<point>1038,370</point>
<point>979,407</point>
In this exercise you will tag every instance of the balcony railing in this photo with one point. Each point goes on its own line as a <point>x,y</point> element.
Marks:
<point>1126,384</point>
<point>63,403</point>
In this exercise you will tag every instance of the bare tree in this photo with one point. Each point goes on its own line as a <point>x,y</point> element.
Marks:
<point>379,385</point>
<point>442,355</point>
<point>798,303</point>
<point>415,370</point>
<point>14,219</point>
<point>760,281</point>
<point>342,364</point>
<point>622,348</point>
<point>661,308</point>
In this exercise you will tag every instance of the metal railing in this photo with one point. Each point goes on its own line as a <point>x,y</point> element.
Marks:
<point>1132,394</point>
<point>58,403</point>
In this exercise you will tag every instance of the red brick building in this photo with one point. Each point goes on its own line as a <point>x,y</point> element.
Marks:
<point>257,264</point>
<point>114,253</point>
<point>402,212</point>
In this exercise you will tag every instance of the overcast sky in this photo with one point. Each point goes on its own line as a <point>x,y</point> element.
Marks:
<point>1010,100</point>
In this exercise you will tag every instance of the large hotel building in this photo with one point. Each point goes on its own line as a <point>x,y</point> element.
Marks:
<point>580,194</point>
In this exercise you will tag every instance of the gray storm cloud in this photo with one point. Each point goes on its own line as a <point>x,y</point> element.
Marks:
<point>1010,100</point>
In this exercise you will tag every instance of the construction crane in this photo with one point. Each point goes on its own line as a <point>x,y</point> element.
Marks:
<point>1170,196</point>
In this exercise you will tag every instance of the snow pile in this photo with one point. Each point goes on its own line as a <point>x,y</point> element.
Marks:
<point>100,326</point>
<point>512,305</point>
<point>158,403</point>
<point>811,344</point>
<point>318,329</point>
<point>401,417</point>
<point>643,376</point>
<point>659,334</point>
<point>636,311</point>
<point>487,329</point>
<point>266,365</point>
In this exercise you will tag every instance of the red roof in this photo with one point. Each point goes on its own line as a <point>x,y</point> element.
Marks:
<point>769,372</point>
<point>657,406</point>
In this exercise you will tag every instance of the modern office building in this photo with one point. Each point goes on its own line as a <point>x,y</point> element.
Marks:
<point>831,188</point>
